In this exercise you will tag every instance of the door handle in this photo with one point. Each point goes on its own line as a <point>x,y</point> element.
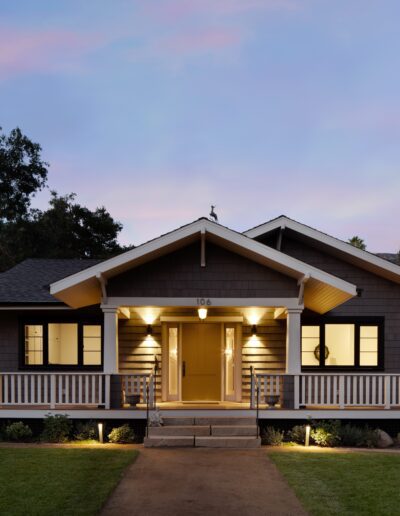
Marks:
<point>183,368</point>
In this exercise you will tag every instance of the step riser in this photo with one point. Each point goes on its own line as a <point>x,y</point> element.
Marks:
<point>178,421</point>
<point>225,421</point>
<point>230,431</point>
<point>176,431</point>
<point>204,421</point>
<point>202,442</point>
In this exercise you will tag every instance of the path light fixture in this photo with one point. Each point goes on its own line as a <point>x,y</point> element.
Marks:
<point>100,428</point>
<point>202,313</point>
<point>308,430</point>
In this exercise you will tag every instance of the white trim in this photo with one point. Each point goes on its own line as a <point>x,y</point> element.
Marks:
<point>167,243</point>
<point>374,263</point>
<point>194,319</point>
<point>288,302</point>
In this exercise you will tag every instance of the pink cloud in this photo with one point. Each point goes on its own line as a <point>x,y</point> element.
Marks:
<point>26,51</point>
<point>188,43</point>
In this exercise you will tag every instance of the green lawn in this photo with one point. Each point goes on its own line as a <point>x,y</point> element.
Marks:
<point>343,483</point>
<point>58,481</point>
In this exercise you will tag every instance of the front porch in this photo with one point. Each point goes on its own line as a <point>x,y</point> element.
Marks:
<point>356,396</point>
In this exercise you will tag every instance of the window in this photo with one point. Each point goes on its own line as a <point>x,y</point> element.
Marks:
<point>34,344</point>
<point>339,343</point>
<point>62,345</point>
<point>173,362</point>
<point>229,363</point>
<point>368,345</point>
<point>92,344</point>
<point>310,346</point>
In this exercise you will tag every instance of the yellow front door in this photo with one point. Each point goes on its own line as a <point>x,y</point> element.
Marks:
<point>201,362</point>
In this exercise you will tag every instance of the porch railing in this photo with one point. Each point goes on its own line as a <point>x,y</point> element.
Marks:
<point>268,385</point>
<point>355,390</point>
<point>54,389</point>
<point>135,385</point>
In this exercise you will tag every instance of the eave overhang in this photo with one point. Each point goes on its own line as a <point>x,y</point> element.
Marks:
<point>322,292</point>
<point>332,245</point>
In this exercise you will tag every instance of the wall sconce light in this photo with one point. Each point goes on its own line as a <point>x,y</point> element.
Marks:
<point>254,329</point>
<point>100,428</point>
<point>149,330</point>
<point>202,313</point>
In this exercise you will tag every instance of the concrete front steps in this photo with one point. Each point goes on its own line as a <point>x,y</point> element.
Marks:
<point>204,432</point>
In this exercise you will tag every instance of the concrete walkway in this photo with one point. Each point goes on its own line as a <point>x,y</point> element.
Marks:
<point>202,482</point>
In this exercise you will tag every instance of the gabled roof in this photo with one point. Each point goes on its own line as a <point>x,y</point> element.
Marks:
<point>344,250</point>
<point>29,281</point>
<point>322,290</point>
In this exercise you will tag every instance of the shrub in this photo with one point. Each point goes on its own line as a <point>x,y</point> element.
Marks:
<point>272,437</point>
<point>122,434</point>
<point>86,431</point>
<point>326,433</point>
<point>18,431</point>
<point>57,429</point>
<point>297,434</point>
<point>371,437</point>
<point>351,435</point>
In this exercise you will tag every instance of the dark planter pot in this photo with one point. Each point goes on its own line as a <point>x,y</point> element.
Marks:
<point>271,400</point>
<point>132,399</point>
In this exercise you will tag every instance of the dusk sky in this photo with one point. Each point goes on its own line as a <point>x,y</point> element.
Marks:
<point>157,109</point>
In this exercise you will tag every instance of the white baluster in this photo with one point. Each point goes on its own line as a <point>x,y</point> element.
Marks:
<point>12,389</point>
<point>107,391</point>
<point>86,389</point>
<point>387,392</point>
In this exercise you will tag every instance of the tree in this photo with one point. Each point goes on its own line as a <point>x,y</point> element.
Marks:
<point>69,230</point>
<point>22,174</point>
<point>65,230</point>
<point>356,241</point>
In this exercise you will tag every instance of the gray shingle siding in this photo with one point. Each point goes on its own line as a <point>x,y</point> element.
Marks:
<point>380,297</point>
<point>179,274</point>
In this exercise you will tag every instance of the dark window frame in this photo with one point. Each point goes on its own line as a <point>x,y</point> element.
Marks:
<point>358,322</point>
<point>45,321</point>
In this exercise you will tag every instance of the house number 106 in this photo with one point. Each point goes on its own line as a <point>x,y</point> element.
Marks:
<point>201,301</point>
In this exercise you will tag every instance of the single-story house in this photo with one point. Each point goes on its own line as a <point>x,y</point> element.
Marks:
<point>205,319</point>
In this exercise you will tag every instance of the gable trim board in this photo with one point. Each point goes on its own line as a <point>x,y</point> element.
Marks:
<point>322,291</point>
<point>353,255</point>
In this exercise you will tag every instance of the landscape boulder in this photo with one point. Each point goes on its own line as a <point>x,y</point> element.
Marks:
<point>384,439</point>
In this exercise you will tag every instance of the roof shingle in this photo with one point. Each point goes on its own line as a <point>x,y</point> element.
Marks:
<point>28,282</point>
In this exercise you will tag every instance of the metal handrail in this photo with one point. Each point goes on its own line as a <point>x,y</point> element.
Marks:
<point>147,408</point>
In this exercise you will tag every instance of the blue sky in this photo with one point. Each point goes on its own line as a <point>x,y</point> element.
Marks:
<point>159,108</point>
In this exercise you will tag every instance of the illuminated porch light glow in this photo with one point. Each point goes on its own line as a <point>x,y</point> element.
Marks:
<point>202,313</point>
<point>308,430</point>
<point>100,428</point>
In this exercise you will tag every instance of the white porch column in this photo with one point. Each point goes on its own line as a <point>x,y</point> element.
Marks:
<point>293,341</point>
<point>111,365</point>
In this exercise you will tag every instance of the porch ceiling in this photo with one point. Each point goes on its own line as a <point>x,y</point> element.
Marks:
<point>322,291</point>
